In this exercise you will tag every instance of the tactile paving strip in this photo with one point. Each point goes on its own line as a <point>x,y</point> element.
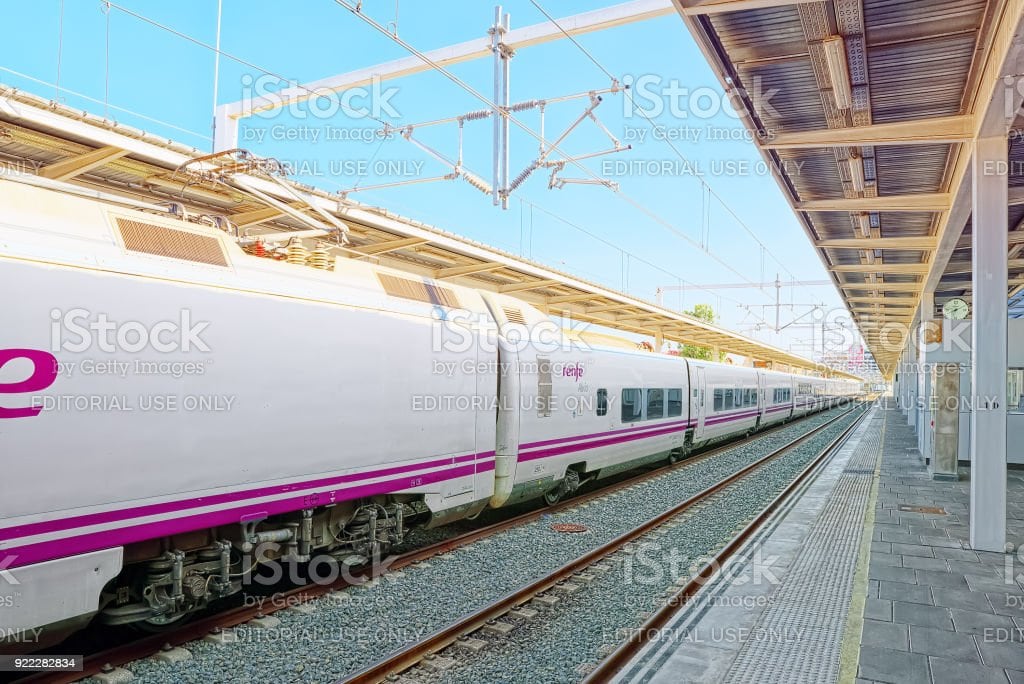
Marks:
<point>799,636</point>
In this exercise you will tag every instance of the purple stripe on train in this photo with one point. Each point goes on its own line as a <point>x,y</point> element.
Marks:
<point>35,553</point>
<point>226,497</point>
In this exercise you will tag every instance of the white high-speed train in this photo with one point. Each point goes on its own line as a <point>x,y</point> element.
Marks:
<point>174,407</point>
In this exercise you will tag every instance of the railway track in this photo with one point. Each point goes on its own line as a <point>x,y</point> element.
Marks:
<point>407,658</point>
<point>106,660</point>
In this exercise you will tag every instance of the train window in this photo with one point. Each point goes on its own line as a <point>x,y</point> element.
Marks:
<point>655,404</point>
<point>602,402</point>
<point>737,398</point>
<point>632,405</point>
<point>719,399</point>
<point>675,403</point>
<point>751,398</point>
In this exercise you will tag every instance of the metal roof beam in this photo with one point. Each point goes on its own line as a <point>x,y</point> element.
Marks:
<point>878,306</point>
<point>884,300</point>
<point>948,129</point>
<point>912,269</point>
<point>1015,237</point>
<point>568,299</point>
<point>245,219</point>
<point>607,307</point>
<point>468,269</point>
<point>389,246</point>
<point>524,287</point>
<point>955,267</point>
<point>697,7</point>
<point>925,243</point>
<point>882,287</point>
<point>66,169</point>
<point>916,202</point>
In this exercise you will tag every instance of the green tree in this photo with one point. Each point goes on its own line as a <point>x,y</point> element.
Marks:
<point>706,313</point>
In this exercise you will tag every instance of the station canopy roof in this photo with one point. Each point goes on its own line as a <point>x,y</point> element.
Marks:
<point>867,110</point>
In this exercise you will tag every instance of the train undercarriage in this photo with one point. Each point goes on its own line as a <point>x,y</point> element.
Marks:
<point>166,580</point>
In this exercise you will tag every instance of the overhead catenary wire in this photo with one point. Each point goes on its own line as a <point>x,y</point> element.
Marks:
<point>106,61</point>
<point>357,11</point>
<point>216,67</point>
<point>222,53</point>
<point>60,49</point>
<point>94,100</point>
<point>632,202</point>
<point>711,191</point>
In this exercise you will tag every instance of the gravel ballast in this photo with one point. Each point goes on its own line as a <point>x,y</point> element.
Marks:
<point>349,630</point>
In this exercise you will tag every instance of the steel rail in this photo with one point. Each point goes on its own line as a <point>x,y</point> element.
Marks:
<point>405,658</point>
<point>621,656</point>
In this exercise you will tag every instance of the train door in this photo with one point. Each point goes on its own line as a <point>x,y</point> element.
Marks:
<point>762,398</point>
<point>699,403</point>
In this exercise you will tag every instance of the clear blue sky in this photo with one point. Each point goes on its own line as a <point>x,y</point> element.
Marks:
<point>154,73</point>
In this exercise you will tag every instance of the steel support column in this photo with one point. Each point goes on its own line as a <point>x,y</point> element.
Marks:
<point>914,371</point>
<point>988,349</point>
<point>924,378</point>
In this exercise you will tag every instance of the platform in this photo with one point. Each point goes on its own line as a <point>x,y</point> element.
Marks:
<point>866,575</point>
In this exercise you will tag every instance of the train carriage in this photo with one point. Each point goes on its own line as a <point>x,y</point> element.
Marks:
<point>241,401</point>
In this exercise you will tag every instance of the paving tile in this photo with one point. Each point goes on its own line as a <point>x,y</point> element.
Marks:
<point>1007,603</point>
<point>920,563</point>
<point>878,609</point>
<point>1008,655</point>
<point>881,547</point>
<point>888,559</point>
<point>918,614</point>
<point>899,667</point>
<point>979,570</point>
<point>885,635</point>
<point>997,559</point>
<point>891,574</point>
<point>945,671</point>
<point>941,579</point>
<point>956,554</point>
<point>916,550</point>
<point>990,583</point>
<point>939,642</point>
<point>898,591</point>
<point>976,622</point>
<point>944,542</point>
<point>1016,676</point>
<point>961,598</point>
<point>899,536</point>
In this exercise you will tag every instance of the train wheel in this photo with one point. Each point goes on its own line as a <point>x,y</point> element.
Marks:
<point>566,488</point>
<point>162,624</point>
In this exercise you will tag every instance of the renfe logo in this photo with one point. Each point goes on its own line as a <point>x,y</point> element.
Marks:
<point>573,370</point>
<point>44,373</point>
